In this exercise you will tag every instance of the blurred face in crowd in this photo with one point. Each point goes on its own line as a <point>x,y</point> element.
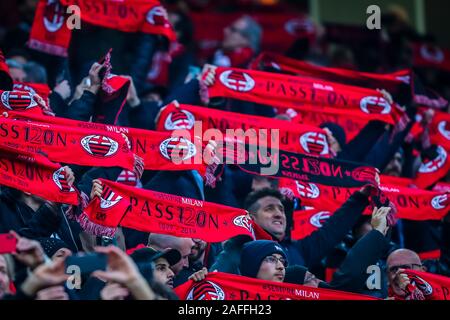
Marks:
<point>163,273</point>
<point>4,277</point>
<point>17,74</point>
<point>184,247</point>
<point>270,216</point>
<point>273,268</point>
<point>402,259</point>
<point>234,37</point>
<point>394,167</point>
<point>197,250</point>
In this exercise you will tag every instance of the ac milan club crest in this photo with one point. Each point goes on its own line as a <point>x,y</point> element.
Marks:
<point>53,16</point>
<point>432,53</point>
<point>307,190</point>
<point>179,119</point>
<point>178,148</point>
<point>443,128</point>
<point>439,202</point>
<point>157,16</point>
<point>109,198</point>
<point>237,81</point>
<point>59,177</point>
<point>319,218</point>
<point>243,222</point>
<point>99,146</point>
<point>375,105</point>
<point>128,178</point>
<point>423,286</point>
<point>206,290</point>
<point>436,163</point>
<point>314,143</point>
<point>17,100</point>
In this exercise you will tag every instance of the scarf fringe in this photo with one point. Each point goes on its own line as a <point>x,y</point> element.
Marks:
<point>95,229</point>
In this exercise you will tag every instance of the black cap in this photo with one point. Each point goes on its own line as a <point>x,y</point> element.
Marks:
<point>149,254</point>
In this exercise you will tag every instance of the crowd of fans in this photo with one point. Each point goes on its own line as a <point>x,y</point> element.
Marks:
<point>142,265</point>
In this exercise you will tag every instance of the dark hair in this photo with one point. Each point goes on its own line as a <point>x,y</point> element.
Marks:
<point>253,197</point>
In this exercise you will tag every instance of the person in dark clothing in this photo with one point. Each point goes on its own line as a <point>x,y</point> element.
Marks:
<point>266,209</point>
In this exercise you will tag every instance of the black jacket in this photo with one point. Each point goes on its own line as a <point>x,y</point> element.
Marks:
<point>310,250</point>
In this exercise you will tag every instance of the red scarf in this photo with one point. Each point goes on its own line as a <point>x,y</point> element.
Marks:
<point>313,169</point>
<point>127,15</point>
<point>151,211</point>
<point>431,56</point>
<point>285,91</point>
<point>68,144</point>
<point>442,187</point>
<point>154,147</point>
<point>49,32</point>
<point>440,130</point>
<point>224,286</point>
<point>398,83</point>
<point>34,173</point>
<point>425,286</point>
<point>6,82</point>
<point>41,89</point>
<point>21,101</point>
<point>411,204</point>
<point>293,137</point>
<point>435,165</point>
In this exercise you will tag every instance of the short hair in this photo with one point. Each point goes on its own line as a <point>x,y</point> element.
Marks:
<point>253,197</point>
<point>253,32</point>
<point>35,72</point>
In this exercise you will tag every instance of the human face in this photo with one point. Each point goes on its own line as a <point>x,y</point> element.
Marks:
<point>17,74</point>
<point>163,273</point>
<point>270,216</point>
<point>394,167</point>
<point>233,36</point>
<point>184,248</point>
<point>4,278</point>
<point>273,268</point>
<point>197,250</point>
<point>402,259</point>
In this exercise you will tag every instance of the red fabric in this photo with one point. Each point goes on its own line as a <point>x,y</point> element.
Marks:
<point>293,137</point>
<point>432,169</point>
<point>306,222</point>
<point>49,32</point>
<point>329,272</point>
<point>41,89</point>
<point>151,211</point>
<point>224,286</point>
<point>430,255</point>
<point>154,147</point>
<point>426,286</point>
<point>67,144</point>
<point>440,130</point>
<point>442,187</point>
<point>280,30</point>
<point>35,174</point>
<point>6,81</point>
<point>20,101</point>
<point>392,82</point>
<point>285,91</point>
<point>431,56</point>
<point>412,204</point>
<point>127,15</point>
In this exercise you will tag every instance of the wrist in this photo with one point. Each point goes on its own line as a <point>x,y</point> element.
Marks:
<point>134,102</point>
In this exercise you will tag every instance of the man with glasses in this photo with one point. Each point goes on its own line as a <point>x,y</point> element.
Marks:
<point>397,261</point>
<point>263,259</point>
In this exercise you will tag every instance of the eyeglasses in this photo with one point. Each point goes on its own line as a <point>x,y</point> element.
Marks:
<point>274,260</point>
<point>413,266</point>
